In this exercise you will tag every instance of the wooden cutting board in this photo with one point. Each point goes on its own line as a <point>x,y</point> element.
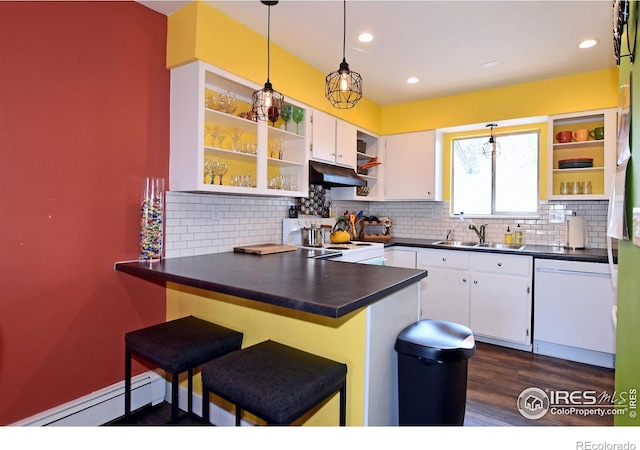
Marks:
<point>265,249</point>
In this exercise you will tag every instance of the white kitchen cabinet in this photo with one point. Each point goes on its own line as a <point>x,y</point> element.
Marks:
<point>444,293</point>
<point>253,167</point>
<point>500,299</point>
<point>488,292</point>
<point>601,151</point>
<point>333,140</point>
<point>572,311</point>
<point>400,257</point>
<point>367,148</point>
<point>413,166</point>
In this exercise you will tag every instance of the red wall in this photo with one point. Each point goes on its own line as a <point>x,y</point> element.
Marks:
<point>84,116</point>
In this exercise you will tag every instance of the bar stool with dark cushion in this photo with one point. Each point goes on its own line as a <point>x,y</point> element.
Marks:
<point>273,381</point>
<point>177,346</point>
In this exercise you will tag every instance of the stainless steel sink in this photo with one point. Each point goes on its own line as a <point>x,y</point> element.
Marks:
<point>455,244</point>
<point>492,245</point>
<point>487,245</point>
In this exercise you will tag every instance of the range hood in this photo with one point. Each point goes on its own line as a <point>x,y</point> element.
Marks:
<point>329,175</point>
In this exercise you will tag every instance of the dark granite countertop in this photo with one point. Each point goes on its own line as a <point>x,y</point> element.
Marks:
<point>291,280</point>
<point>537,251</point>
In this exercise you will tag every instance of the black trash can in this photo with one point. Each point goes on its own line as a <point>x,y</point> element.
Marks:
<point>432,372</point>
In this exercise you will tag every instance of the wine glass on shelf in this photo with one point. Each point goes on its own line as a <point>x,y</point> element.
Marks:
<point>223,132</point>
<point>213,129</point>
<point>212,168</point>
<point>232,103</point>
<point>223,166</point>
<point>286,114</point>
<point>235,136</point>
<point>273,113</point>
<point>298,116</point>
<point>223,101</point>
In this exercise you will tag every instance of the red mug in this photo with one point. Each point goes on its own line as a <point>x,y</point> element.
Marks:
<point>564,136</point>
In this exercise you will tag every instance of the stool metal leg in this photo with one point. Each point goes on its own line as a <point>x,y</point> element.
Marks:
<point>190,390</point>
<point>238,415</point>
<point>127,384</point>
<point>205,404</point>
<point>343,404</point>
<point>175,382</point>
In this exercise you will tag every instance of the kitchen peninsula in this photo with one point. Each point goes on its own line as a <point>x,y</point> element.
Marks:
<point>347,312</point>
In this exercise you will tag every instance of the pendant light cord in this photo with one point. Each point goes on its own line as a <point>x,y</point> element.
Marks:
<point>344,32</point>
<point>268,42</point>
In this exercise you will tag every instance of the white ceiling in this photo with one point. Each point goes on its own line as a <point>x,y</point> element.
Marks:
<point>444,43</point>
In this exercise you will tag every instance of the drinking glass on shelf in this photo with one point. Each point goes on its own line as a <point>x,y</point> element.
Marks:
<point>298,116</point>
<point>273,113</point>
<point>286,114</point>
<point>564,188</point>
<point>587,188</point>
<point>232,103</point>
<point>223,132</point>
<point>212,167</point>
<point>223,101</point>
<point>223,166</point>
<point>235,135</point>
<point>213,129</point>
<point>210,100</point>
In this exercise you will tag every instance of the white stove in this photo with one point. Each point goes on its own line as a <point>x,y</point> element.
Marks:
<point>354,251</point>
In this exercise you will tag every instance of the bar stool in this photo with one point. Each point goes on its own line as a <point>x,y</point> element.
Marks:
<point>273,381</point>
<point>177,346</point>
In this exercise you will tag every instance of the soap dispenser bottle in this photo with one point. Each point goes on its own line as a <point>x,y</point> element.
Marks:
<point>508,236</point>
<point>518,235</point>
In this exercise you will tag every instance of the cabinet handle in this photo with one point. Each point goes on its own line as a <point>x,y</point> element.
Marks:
<point>444,259</point>
<point>464,280</point>
<point>475,281</point>
<point>499,264</point>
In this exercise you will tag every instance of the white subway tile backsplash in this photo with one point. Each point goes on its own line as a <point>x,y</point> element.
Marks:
<point>242,220</point>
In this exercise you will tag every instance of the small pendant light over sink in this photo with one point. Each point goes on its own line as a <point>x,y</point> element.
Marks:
<point>268,103</point>
<point>491,149</point>
<point>344,87</point>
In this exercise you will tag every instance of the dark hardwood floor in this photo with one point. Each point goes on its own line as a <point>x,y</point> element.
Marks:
<point>496,378</point>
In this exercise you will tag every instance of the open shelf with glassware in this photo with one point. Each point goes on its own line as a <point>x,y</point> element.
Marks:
<point>218,146</point>
<point>368,167</point>
<point>581,169</point>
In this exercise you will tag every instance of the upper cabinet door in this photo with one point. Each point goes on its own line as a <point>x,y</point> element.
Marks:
<point>323,138</point>
<point>413,167</point>
<point>333,140</point>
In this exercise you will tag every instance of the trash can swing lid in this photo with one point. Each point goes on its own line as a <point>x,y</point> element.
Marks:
<point>436,340</point>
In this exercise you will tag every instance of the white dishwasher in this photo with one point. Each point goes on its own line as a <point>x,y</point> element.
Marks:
<point>572,311</point>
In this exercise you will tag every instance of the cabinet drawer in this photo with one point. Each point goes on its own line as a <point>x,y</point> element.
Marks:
<point>501,263</point>
<point>443,258</point>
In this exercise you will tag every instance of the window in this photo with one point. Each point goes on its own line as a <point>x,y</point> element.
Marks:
<point>506,184</point>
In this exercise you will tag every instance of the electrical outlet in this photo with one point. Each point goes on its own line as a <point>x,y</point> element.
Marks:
<point>556,216</point>
<point>436,212</point>
<point>215,212</point>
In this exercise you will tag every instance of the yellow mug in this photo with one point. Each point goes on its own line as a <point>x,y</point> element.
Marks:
<point>581,135</point>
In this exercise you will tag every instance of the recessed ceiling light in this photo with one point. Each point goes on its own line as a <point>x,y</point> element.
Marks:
<point>489,64</point>
<point>365,37</point>
<point>413,80</point>
<point>588,43</point>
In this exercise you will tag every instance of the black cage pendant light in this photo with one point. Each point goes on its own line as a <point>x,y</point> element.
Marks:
<point>344,87</point>
<point>491,149</point>
<point>268,103</point>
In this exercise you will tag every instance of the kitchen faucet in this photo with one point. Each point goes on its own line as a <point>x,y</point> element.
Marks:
<point>479,232</point>
<point>450,232</point>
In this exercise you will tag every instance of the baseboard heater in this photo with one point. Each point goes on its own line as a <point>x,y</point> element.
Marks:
<point>102,406</point>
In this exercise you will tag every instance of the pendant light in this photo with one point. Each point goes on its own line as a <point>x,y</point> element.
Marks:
<point>268,103</point>
<point>492,148</point>
<point>344,87</point>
